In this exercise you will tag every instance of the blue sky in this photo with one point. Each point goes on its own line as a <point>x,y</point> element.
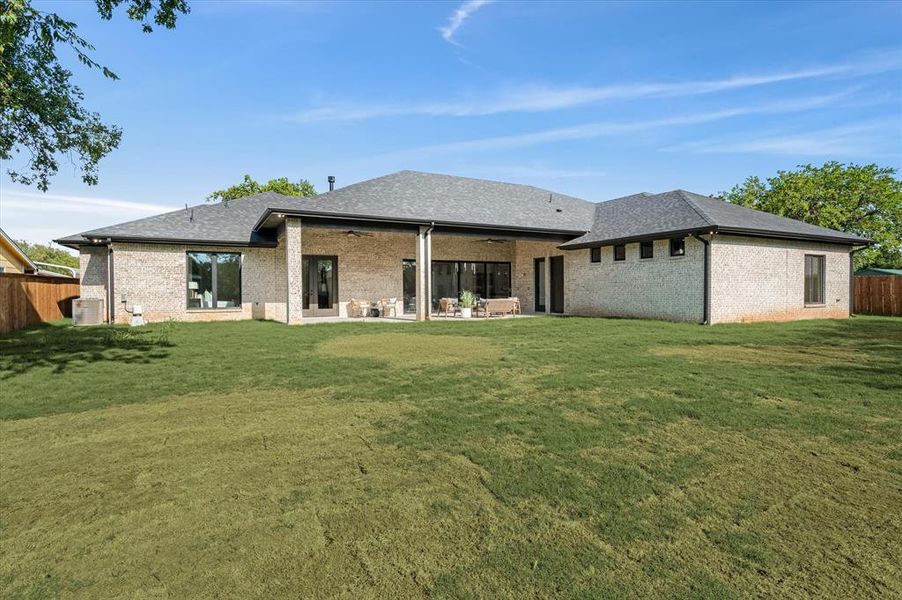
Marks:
<point>596,100</point>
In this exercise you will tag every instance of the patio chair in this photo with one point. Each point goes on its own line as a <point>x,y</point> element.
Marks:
<point>446,305</point>
<point>388,307</point>
<point>353,309</point>
<point>516,302</point>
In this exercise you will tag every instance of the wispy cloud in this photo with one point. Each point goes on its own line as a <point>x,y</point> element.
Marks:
<point>614,128</point>
<point>42,202</point>
<point>42,217</point>
<point>539,98</point>
<point>871,138</point>
<point>457,18</point>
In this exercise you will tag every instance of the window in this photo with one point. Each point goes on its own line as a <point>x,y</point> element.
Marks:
<point>646,250</point>
<point>214,280</point>
<point>678,247</point>
<point>620,252</point>
<point>815,269</point>
<point>595,254</point>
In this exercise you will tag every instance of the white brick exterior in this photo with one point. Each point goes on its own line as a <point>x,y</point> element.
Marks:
<point>751,278</point>
<point>662,287</point>
<point>758,279</point>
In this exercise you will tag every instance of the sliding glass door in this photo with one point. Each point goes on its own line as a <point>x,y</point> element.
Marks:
<point>451,277</point>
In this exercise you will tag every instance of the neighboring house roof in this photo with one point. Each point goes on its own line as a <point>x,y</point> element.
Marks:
<point>878,271</point>
<point>646,216</point>
<point>413,197</point>
<point>13,250</point>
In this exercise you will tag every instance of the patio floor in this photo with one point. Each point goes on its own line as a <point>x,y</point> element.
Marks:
<point>406,318</point>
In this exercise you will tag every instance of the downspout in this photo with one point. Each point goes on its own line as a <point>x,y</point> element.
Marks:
<point>852,279</point>
<point>707,300</point>
<point>109,282</point>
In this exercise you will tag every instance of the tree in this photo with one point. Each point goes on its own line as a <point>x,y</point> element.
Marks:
<point>41,110</point>
<point>865,200</point>
<point>46,254</point>
<point>249,187</point>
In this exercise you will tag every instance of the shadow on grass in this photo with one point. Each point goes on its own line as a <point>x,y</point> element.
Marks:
<point>60,345</point>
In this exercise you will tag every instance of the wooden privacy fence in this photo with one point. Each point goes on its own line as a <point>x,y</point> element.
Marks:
<point>29,299</point>
<point>878,295</point>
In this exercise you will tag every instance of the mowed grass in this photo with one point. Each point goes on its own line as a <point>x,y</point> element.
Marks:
<point>540,457</point>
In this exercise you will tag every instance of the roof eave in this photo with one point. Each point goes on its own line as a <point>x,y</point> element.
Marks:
<point>637,238</point>
<point>376,219</point>
<point>103,240</point>
<point>847,241</point>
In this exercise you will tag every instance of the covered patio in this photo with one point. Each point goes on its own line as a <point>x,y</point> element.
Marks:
<point>346,268</point>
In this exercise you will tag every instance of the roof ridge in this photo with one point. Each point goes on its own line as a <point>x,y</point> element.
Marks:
<point>485,180</point>
<point>698,210</point>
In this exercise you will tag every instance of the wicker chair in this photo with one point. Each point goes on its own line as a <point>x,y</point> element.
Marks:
<point>447,305</point>
<point>353,308</point>
<point>516,302</point>
<point>388,307</point>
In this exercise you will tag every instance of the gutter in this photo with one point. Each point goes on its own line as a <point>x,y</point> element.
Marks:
<point>364,217</point>
<point>707,296</point>
<point>722,230</point>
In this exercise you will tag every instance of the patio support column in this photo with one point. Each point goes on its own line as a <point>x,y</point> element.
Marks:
<point>294,307</point>
<point>547,283</point>
<point>424,273</point>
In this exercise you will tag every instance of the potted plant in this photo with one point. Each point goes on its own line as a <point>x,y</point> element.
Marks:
<point>467,302</point>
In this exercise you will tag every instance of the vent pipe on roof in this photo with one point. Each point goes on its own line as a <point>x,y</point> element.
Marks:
<point>331,179</point>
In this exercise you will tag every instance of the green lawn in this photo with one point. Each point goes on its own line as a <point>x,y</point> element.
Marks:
<point>514,458</point>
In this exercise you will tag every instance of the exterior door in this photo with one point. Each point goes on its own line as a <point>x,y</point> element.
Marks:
<point>320,286</point>
<point>539,283</point>
<point>557,284</point>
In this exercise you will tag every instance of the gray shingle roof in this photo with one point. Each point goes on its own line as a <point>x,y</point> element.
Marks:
<point>645,216</point>
<point>428,197</point>
<point>412,196</point>
<point>223,223</point>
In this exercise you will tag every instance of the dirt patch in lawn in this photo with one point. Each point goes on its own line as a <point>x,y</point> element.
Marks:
<point>275,494</point>
<point>400,349</point>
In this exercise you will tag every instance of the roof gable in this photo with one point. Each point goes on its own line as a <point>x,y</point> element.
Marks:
<point>678,212</point>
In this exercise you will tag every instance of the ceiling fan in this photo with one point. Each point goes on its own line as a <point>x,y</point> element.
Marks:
<point>494,241</point>
<point>355,233</point>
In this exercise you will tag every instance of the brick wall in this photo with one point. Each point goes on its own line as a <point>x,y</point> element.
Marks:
<point>92,265</point>
<point>751,278</point>
<point>756,279</point>
<point>154,276</point>
<point>662,287</point>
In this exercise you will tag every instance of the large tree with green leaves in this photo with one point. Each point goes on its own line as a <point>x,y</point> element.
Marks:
<point>42,116</point>
<point>249,186</point>
<point>862,199</point>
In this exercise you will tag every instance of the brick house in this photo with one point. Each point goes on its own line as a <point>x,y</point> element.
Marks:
<point>415,237</point>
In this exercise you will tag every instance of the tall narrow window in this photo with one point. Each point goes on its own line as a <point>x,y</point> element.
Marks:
<point>678,247</point>
<point>647,250</point>
<point>214,280</point>
<point>815,271</point>
<point>620,252</point>
<point>595,255</point>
